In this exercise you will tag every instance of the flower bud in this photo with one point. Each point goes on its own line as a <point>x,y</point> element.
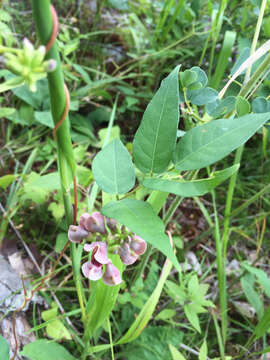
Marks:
<point>77,233</point>
<point>28,45</point>
<point>138,245</point>
<point>28,51</point>
<point>50,65</point>
<point>128,257</point>
<point>112,275</point>
<point>93,223</point>
<point>112,224</point>
<point>38,56</point>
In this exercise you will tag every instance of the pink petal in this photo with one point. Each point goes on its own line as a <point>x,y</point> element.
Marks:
<point>112,275</point>
<point>138,245</point>
<point>94,222</point>
<point>92,271</point>
<point>83,219</point>
<point>77,233</point>
<point>126,255</point>
<point>100,251</point>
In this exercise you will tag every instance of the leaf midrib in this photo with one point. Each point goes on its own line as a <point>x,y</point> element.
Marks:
<point>157,132</point>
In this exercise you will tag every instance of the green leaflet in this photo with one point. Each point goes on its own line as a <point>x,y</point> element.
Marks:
<point>44,350</point>
<point>155,139</point>
<point>208,143</point>
<point>113,169</point>
<point>191,188</point>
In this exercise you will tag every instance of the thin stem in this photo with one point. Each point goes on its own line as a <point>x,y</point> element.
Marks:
<point>173,207</point>
<point>219,338</point>
<point>229,199</point>
<point>221,273</point>
<point>110,337</point>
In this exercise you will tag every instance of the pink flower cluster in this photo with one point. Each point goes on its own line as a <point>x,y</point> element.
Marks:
<point>129,251</point>
<point>93,269</point>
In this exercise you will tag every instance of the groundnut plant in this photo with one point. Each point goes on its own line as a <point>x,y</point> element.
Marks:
<point>185,130</point>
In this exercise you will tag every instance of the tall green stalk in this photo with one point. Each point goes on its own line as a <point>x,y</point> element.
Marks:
<point>66,162</point>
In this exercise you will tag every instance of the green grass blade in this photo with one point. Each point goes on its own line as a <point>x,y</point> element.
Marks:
<point>223,59</point>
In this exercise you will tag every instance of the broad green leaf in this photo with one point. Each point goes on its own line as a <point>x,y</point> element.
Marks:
<point>4,348</point>
<point>263,325</point>
<point>192,317</point>
<point>208,143</point>
<point>155,139</point>
<point>140,218</point>
<point>193,187</point>
<point>102,300</point>
<point>44,350</point>
<point>176,355</point>
<point>203,351</point>
<point>113,169</point>
<point>6,180</point>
